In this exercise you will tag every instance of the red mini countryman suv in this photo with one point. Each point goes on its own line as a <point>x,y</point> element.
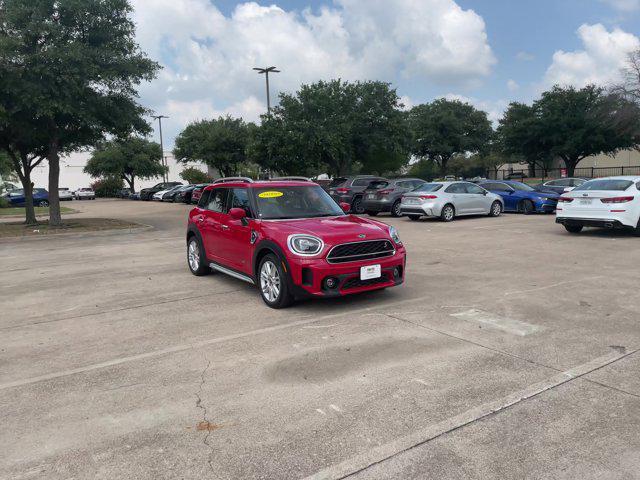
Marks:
<point>291,239</point>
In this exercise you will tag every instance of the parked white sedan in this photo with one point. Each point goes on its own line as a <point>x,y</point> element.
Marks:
<point>448,200</point>
<point>85,194</point>
<point>612,202</point>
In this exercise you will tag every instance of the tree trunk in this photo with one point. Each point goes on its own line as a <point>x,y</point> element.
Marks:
<point>130,181</point>
<point>23,167</point>
<point>570,163</point>
<point>53,156</point>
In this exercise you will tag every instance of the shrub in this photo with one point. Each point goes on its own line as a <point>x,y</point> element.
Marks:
<point>107,186</point>
<point>194,175</point>
<point>4,203</point>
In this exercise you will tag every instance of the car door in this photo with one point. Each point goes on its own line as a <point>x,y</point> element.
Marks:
<point>478,201</point>
<point>459,198</point>
<point>236,249</point>
<point>211,229</point>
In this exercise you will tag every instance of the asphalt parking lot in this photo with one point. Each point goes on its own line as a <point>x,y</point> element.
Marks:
<point>510,352</point>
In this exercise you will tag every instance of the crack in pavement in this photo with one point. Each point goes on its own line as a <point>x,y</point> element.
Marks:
<point>205,419</point>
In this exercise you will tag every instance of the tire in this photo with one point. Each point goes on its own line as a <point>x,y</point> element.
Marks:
<point>496,209</point>
<point>356,205</point>
<point>43,203</point>
<point>415,218</point>
<point>573,228</point>
<point>273,282</point>
<point>196,259</point>
<point>526,207</point>
<point>636,231</point>
<point>395,209</point>
<point>371,213</point>
<point>448,213</point>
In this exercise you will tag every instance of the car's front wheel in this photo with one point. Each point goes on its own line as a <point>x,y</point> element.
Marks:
<point>573,228</point>
<point>356,206</point>
<point>395,209</point>
<point>496,209</point>
<point>43,203</point>
<point>272,280</point>
<point>196,259</point>
<point>527,207</point>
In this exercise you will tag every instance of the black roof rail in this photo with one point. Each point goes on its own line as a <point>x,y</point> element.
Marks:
<point>233,179</point>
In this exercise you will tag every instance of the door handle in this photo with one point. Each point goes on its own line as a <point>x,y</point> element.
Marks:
<point>224,227</point>
<point>200,220</point>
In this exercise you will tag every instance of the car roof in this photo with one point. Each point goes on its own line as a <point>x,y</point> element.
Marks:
<point>263,184</point>
<point>631,178</point>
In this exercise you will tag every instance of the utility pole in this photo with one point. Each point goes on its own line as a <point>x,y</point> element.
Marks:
<point>266,72</point>
<point>165,176</point>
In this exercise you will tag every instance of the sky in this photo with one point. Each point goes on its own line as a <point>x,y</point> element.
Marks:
<point>485,52</point>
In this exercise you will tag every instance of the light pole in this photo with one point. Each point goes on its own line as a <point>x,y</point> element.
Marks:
<point>163,160</point>
<point>266,72</point>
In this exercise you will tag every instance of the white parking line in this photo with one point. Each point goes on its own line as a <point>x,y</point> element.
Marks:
<point>189,346</point>
<point>553,285</point>
<point>384,452</point>
<point>508,325</point>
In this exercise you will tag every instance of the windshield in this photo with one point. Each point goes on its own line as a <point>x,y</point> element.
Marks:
<point>520,186</point>
<point>275,203</point>
<point>616,185</point>
<point>377,185</point>
<point>428,187</point>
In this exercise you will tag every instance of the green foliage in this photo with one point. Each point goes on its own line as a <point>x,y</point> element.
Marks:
<point>68,76</point>
<point>571,124</point>
<point>107,186</point>
<point>194,176</point>
<point>128,159</point>
<point>445,128</point>
<point>4,203</point>
<point>425,169</point>
<point>220,143</point>
<point>339,126</point>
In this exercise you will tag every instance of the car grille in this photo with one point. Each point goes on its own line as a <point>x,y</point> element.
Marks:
<point>355,282</point>
<point>357,251</point>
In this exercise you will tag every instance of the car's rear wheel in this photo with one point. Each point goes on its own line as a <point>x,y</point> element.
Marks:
<point>371,213</point>
<point>573,228</point>
<point>496,209</point>
<point>526,207</point>
<point>636,231</point>
<point>273,283</point>
<point>356,206</point>
<point>415,218</point>
<point>395,209</point>
<point>448,213</point>
<point>196,259</point>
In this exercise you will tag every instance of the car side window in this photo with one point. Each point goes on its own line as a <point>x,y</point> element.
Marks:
<point>362,182</point>
<point>239,198</point>
<point>456,188</point>
<point>217,200</point>
<point>204,199</point>
<point>475,189</point>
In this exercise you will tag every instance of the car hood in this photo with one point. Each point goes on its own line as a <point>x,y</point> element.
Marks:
<point>332,230</point>
<point>544,193</point>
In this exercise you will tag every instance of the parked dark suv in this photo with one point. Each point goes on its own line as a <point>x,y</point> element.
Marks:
<point>147,193</point>
<point>350,189</point>
<point>385,195</point>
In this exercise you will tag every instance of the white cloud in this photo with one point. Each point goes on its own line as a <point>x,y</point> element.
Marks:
<point>604,53</point>
<point>512,85</point>
<point>525,56</point>
<point>623,5</point>
<point>208,57</point>
<point>494,108</point>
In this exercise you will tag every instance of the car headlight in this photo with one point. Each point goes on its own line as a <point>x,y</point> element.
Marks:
<point>305,245</point>
<point>393,232</point>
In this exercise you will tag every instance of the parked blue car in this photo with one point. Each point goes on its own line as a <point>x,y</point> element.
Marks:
<point>16,197</point>
<point>520,197</point>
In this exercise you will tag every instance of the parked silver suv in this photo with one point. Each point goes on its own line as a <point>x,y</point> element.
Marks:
<point>385,195</point>
<point>350,189</point>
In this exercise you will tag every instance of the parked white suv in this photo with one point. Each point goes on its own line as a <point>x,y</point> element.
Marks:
<point>85,194</point>
<point>612,202</point>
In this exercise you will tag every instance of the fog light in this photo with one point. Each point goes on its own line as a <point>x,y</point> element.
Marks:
<point>396,272</point>
<point>331,283</point>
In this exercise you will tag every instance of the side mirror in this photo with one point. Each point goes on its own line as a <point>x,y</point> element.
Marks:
<point>485,193</point>
<point>238,214</point>
<point>345,207</point>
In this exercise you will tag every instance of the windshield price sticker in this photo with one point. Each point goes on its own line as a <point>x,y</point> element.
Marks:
<point>270,194</point>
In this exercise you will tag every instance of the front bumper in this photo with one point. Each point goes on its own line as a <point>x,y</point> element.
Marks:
<point>546,207</point>
<point>308,275</point>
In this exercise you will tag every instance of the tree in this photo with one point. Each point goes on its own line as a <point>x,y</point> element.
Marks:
<point>519,136</point>
<point>127,159</point>
<point>107,186</point>
<point>629,87</point>
<point>220,144</point>
<point>574,124</point>
<point>194,175</point>
<point>72,68</point>
<point>445,128</point>
<point>340,126</point>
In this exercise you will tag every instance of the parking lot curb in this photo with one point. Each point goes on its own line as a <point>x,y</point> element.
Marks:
<point>99,233</point>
